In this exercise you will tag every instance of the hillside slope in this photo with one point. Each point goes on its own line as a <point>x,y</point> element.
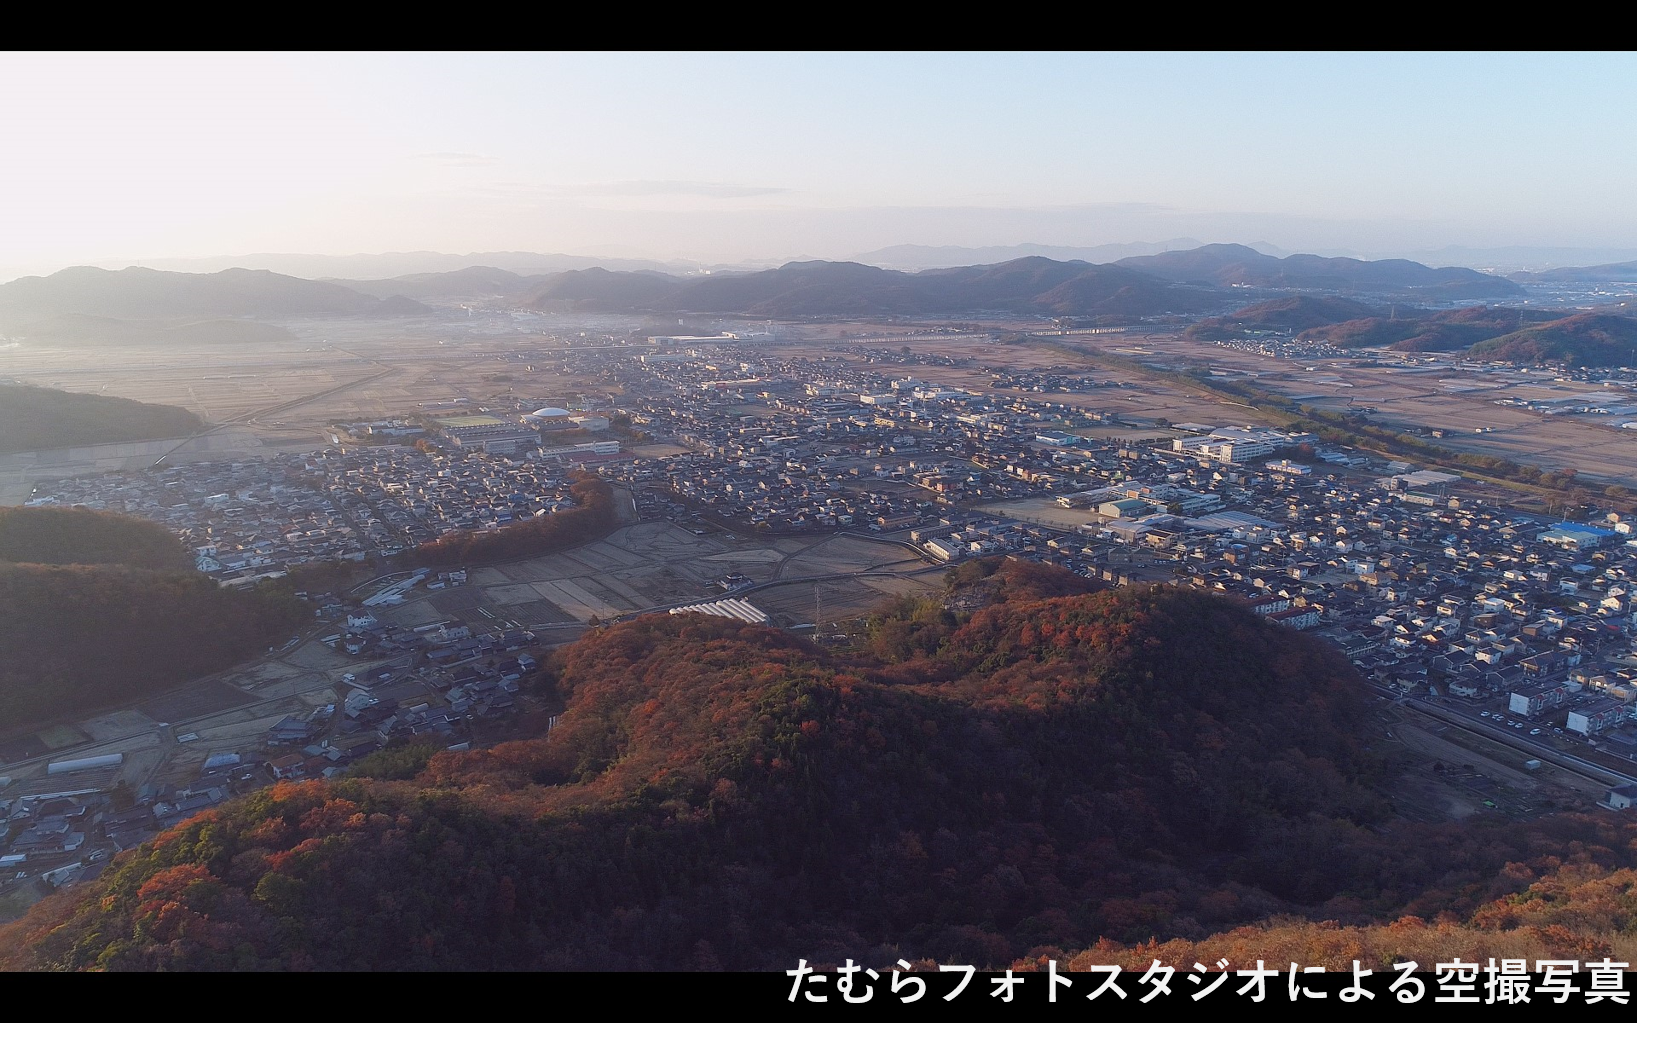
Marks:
<point>1587,339</point>
<point>42,418</point>
<point>100,610</point>
<point>1048,773</point>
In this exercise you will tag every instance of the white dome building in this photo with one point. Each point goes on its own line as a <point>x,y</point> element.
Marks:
<point>547,415</point>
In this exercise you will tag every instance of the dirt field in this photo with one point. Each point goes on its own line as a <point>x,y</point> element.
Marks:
<point>1475,775</point>
<point>844,554</point>
<point>1444,397</point>
<point>1045,511</point>
<point>806,602</point>
<point>188,702</point>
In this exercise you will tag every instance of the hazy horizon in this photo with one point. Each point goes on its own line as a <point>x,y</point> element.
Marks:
<point>747,159</point>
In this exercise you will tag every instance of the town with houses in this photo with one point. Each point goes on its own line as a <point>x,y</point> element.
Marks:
<point>1444,597</point>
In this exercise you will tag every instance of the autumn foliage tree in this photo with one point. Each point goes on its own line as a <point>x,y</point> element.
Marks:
<point>1046,775</point>
<point>594,517</point>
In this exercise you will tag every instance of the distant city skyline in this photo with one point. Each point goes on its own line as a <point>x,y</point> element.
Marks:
<point>735,158</point>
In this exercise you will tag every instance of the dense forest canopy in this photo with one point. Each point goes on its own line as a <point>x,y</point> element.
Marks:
<point>1587,339</point>
<point>79,536</point>
<point>41,418</point>
<point>98,610</point>
<point>1060,775</point>
<point>594,517</point>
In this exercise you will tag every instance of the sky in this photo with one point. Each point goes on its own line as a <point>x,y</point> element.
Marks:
<point>729,158</point>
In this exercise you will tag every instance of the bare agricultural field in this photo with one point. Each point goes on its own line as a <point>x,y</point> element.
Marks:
<point>653,566</point>
<point>245,387</point>
<point>21,749</point>
<point>923,581</point>
<point>808,602</point>
<point>845,554</point>
<point>603,556</point>
<point>1044,511</point>
<point>1611,455</point>
<point>534,614</point>
<point>415,615</point>
<point>510,594</point>
<point>316,656</point>
<point>672,583</point>
<point>233,731</point>
<point>1418,400</point>
<point>658,451</point>
<point>530,571</point>
<point>116,724</point>
<point>1130,396</point>
<point>280,394</point>
<point>1442,775</point>
<point>608,586</point>
<point>216,381</point>
<point>262,674</point>
<point>62,736</point>
<point>291,685</point>
<point>193,701</point>
<point>579,602</point>
<point>1407,396</point>
<point>765,558</point>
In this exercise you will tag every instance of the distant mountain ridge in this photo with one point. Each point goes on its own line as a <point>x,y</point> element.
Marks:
<point>912,257</point>
<point>399,264</point>
<point>599,290</point>
<point>1204,280</point>
<point>1617,272</point>
<point>459,283</point>
<point>1034,286</point>
<point>139,293</point>
<point>1233,265</point>
<point>1524,262</point>
<point>1183,282</point>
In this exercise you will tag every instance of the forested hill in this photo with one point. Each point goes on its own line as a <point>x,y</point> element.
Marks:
<point>1586,339</point>
<point>1041,773</point>
<point>79,536</point>
<point>99,610</point>
<point>141,293</point>
<point>42,418</point>
<point>1032,286</point>
<point>1231,264</point>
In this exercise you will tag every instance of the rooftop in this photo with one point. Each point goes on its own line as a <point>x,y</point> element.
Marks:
<point>470,421</point>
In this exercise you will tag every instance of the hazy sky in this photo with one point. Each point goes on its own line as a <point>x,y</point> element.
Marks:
<point>728,157</point>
